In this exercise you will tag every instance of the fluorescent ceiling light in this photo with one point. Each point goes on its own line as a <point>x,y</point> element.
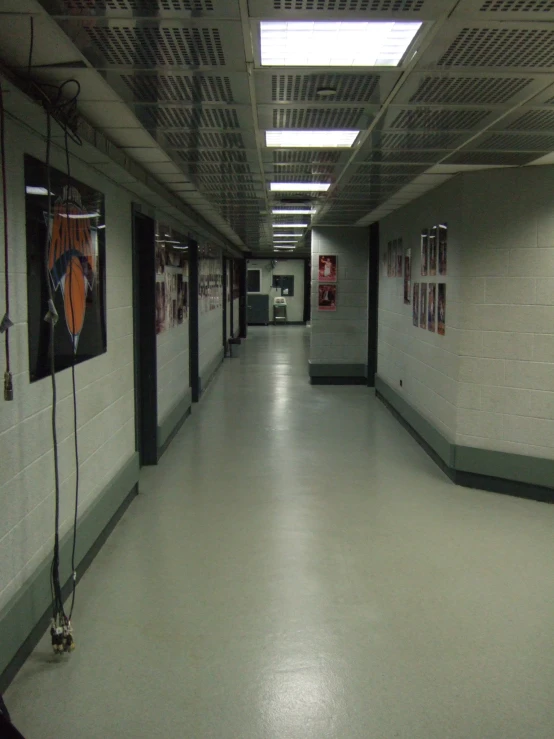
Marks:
<point>299,186</point>
<point>80,216</point>
<point>290,225</point>
<point>311,139</point>
<point>32,190</point>
<point>284,243</point>
<point>180,247</point>
<point>335,44</point>
<point>286,236</point>
<point>297,212</point>
<point>102,225</point>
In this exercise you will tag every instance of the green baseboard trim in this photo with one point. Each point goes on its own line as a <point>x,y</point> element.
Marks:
<point>484,469</point>
<point>333,380</point>
<point>172,422</point>
<point>440,445</point>
<point>25,618</point>
<point>208,373</point>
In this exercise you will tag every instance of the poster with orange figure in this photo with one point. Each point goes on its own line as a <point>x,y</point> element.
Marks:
<point>65,258</point>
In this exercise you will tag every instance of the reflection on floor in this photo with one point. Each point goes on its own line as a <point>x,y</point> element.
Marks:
<point>296,567</point>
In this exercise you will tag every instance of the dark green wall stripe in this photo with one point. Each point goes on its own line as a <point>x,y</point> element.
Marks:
<point>27,608</point>
<point>210,370</point>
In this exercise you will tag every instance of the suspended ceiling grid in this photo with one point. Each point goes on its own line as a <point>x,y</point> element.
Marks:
<point>178,85</point>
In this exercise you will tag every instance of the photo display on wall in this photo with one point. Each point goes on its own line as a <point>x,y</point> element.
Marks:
<point>431,307</point>
<point>423,305</point>
<point>441,309</point>
<point>327,297</point>
<point>210,278</point>
<point>327,269</point>
<point>443,249</point>
<point>399,257</point>
<point>433,246</point>
<point>75,228</point>
<point>407,276</point>
<point>172,278</point>
<point>424,252</point>
<point>415,305</point>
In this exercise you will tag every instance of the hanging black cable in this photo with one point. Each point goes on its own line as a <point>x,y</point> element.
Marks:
<point>6,323</point>
<point>74,389</point>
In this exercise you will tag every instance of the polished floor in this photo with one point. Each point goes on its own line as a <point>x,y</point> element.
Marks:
<point>297,568</point>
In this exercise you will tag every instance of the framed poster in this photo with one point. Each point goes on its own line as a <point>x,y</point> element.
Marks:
<point>415,305</point>
<point>73,233</point>
<point>441,309</point>
<point>327,269</point>
<point>431,307</point>
<point>407,276</point>
<point>433,247</point>
<point>443,249</point>
<point>424,252</point>
<point>399,257</point>
<point>327,297</point>
<point>423,305</point>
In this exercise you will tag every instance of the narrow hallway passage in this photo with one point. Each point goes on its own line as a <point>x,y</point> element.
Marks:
<point>297,568</point>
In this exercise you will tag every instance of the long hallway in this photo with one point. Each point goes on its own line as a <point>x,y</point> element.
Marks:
<point>297,568</point>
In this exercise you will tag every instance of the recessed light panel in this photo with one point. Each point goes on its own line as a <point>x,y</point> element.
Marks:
<point>289,225</point>
<point>299,186</point>
<point>310,139</point>
<point>335,44</point>
<point>297,212</point>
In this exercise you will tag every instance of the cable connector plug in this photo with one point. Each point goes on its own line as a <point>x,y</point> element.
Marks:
<point>52,315</point>
<point>5,324</point>
<point>56,633</point>
<point>8,386</point>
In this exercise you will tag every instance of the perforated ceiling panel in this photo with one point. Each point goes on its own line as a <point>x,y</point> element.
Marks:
<point>309,157</point>
<point>215,156</point>
<point>205,139</point>
<point>349,88</point>
<point>426,118</point>
<point>416,140</point>
<point>501,47</point>
<point>469,90</point>
<point>409,157</point>
<point>329,6</point>
<point>148,88</point>
<point>144,7</point>
<point>519,142</point>
<point>302,169</point>
<point>534,120</point>
<point>157,117</point>
<point>316,118</point>
<point>517,6</point>
<point>491,158</point>
<point>161,46</point>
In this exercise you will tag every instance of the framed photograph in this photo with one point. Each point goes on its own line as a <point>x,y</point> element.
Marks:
<point>424,252</point>
<point>433,248</point>
<point>160,307</point>
<point>441,309</point>
<point>73,234</point>
<point>407,276</point>
<point>327,296</point>
<point>415,305</point>
<point>431,307</point>
<point>423,305</point>
<point>443,249</point>
<point>327,271</point>
<point>399,257</point>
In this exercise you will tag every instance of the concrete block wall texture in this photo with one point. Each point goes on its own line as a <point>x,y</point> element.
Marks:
<point>105,386</point>
<point>340,337</point>
<point>173,367</point>
<point>508,311</point>
<point>425,362</point>
<point>294,267</point>
<point>500,312</point>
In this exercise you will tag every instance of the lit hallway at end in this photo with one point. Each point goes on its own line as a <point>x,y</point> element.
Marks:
<point>297,568</point>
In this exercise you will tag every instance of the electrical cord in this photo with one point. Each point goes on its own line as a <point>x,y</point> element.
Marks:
<point>6,322</point>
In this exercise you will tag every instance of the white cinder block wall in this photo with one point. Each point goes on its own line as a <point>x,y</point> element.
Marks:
<point>105,386</point>
<point>173,367</point>
<point>508,312</point>
<point>426,363</point>
<point>294,267</point>
<point>340,337</point>
<point>499,314</point>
